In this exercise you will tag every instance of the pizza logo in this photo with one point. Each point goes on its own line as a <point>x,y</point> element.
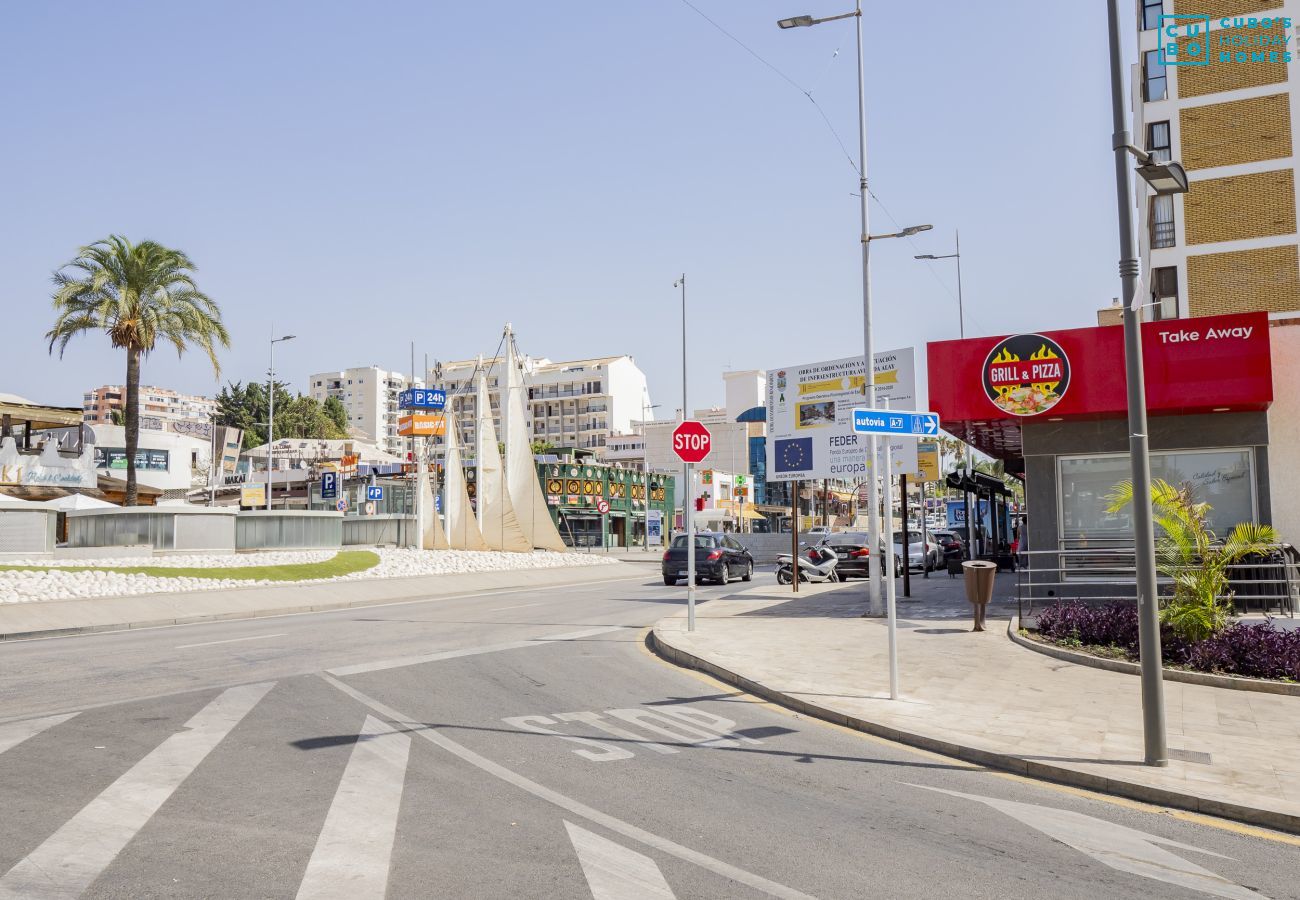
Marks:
<point>1026,374</point>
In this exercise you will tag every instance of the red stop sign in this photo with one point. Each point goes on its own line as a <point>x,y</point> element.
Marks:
<point>692,442</point>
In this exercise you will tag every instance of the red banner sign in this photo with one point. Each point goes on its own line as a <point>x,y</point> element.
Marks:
<point>1214,363</point>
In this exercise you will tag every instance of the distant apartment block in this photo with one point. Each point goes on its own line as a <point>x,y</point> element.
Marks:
<point>579,403</point>
<point>98,405</point>
<point>369,394</point>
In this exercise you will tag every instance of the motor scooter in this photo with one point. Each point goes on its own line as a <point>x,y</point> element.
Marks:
<point>817,564</point>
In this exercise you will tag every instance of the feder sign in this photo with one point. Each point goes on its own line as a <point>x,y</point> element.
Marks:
<point>692,442</point>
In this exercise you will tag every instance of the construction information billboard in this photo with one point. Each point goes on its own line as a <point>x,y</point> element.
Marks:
<point>810,416</point>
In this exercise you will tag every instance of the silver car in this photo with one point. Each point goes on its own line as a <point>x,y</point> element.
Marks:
<point>921,553</point>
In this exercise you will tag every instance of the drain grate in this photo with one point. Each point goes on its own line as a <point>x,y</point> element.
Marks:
<point>1191,756</point>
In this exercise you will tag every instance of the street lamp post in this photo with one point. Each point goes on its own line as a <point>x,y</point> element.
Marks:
<point>1166,178</point>
<point>688,488</point>
<point>270,419</point>
<point>961,331</point>
<point>868,358</point>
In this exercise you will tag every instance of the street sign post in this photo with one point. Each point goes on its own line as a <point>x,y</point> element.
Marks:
<point>374,492</point>
<point>602,506</point>
<point>692,443</point>
<point>895,421</point>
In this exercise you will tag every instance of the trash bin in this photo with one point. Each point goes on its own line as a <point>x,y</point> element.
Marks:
<point>978,576</point>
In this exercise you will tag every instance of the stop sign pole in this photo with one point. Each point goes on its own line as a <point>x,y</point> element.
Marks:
<point>691,442</point>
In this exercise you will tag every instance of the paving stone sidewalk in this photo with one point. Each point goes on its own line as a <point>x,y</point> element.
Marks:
<point>981,697</point>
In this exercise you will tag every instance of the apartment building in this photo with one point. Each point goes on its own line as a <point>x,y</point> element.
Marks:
<point>369,394</point>
<point>579,403</point>
<point>1229,245</point>
<point>98,405</point>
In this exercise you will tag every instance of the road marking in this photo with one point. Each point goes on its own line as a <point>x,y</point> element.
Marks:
<point>75,855</point>
<point>403,661</point>
<point>1182,814</point>
<point>577,808</point>
<point>595,721</point>
<point>602,753</point>
<point>15,733</point>
<point>1125,849</point>
<point>520,606</point>
<point>260,637</point>
<point>614,872</point>
<point>352,854</point>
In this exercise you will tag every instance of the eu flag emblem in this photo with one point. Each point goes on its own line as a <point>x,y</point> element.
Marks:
<point>794,455</point>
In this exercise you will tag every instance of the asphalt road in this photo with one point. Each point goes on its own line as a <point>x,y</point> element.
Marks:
<point>521,744</point>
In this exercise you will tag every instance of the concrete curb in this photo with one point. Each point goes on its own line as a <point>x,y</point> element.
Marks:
<point>1032,768</point>
<point>245,599</point>
<point>1231,682</point>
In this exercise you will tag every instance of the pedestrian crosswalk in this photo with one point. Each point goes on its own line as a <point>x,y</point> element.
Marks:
<point>355,842</point>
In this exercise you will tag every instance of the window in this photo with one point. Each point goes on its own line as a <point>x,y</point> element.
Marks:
<point>1152,10</point>
<point>1162,222</point>
<point>1154,86</point>
<point>1158,141</point>
<point>1164,293</point>
<point>1225,479</point>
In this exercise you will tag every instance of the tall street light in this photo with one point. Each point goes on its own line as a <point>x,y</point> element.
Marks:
<point>270,419</point>
<point>961,331</point>
<point>1165,178</point>
<point>868,357</point>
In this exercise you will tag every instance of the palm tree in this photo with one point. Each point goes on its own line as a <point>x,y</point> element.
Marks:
<point>137,294</point>
<point>1191,555</point>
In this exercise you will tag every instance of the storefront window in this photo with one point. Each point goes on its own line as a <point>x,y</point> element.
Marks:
<point>1225,479</point>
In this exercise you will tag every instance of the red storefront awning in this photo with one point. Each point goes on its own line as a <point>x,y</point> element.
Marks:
<point>984,389</point>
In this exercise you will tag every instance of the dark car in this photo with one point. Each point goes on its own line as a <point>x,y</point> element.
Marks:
<point>717,556</point>
<point>851,548</point>
<point>950,543</point>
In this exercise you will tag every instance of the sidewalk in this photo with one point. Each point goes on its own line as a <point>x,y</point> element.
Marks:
<point>983,698</point>
<point>58,617</point>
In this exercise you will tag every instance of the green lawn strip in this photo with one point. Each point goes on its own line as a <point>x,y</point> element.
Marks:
<point>344,563</point>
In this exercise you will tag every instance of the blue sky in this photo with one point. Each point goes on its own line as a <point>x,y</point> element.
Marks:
<point>370,175</point>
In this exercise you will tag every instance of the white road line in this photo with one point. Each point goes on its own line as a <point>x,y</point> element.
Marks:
<point>352,854</point>
<point>75,855</point>
<point>614,872</point>
<point>403,661</point>
<point>260,637</point>
<point>520,606</point>
<point>575,807</point>
<point>15,733</point>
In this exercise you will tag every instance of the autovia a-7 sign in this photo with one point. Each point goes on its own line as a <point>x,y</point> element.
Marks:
<point>894,421</point>
<point>422,398</point>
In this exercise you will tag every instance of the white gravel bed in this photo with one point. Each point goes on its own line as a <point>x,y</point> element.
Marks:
<point>26,587</point>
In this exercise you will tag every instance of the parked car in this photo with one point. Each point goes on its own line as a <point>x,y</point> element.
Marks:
<point>817,530</point>
<point>950,543</point>
<point>718,556</point>
<point>852,549</point>
<point>921,553</point>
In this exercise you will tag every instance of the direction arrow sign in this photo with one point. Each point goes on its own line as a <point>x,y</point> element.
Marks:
<point>894,421</point>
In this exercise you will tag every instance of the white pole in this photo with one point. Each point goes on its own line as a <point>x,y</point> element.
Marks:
<point>270,422</point>
<point>889,561</point>
<point>689,506</point>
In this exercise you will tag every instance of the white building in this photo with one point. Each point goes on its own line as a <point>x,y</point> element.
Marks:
<point>580,403</point>
<point>174,463</point>
<point>369,394</point>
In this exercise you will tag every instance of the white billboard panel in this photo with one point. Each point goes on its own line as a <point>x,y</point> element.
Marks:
<point>810,416</point>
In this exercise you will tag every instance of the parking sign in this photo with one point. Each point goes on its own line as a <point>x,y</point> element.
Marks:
<point>329,485</point>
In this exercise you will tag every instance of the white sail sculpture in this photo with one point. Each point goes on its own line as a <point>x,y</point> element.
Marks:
<point>432,535</point>
<point>496,514</point>
<point>462,530</point>
<point>521,472</point>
